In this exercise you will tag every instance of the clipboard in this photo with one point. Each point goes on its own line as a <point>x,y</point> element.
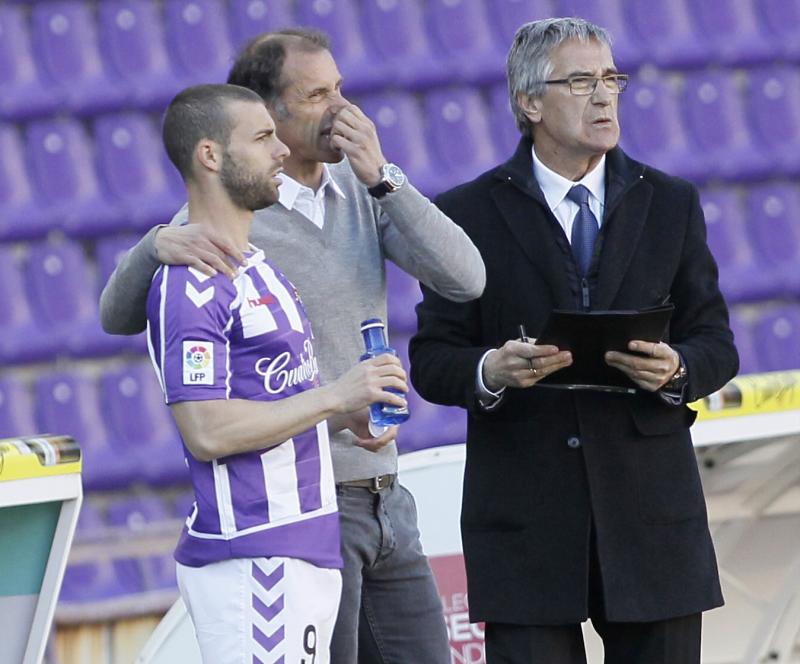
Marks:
<point>588,335</point>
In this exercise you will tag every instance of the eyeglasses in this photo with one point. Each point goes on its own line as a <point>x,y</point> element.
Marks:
<point>586,85</point>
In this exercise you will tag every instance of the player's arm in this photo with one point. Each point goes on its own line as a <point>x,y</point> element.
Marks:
<point>220,427</point>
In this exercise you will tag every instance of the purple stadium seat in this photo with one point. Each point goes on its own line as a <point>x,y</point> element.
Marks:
<point>508,15</point>
<point>91,523</point>
<point>403,294</point>
<point>24,337</point>
<point>773,108</point>
<point>159,572</point>
<point>134,411</point>
<point>653,130</point>
<point>68,403</point>
<point>135,513</point>
<point>16,409</point>
<point>714,110</point>
<point>109,252</point>
<point>129,159</point>
<point>65,38</point>
<point>25,95</point>
<point>398,118</point>
<point>774,225</point>
<point>743,277</point>
<point>782,20</point>
<point>459,29</point>
<point>430,425</point>
<point>61,158</point>
<point>62,292</point>
<point>21,214</point>
<point>743,338</point>
<point>101,580</point>
<point>669,33</point>
<point>133,42</point>
<point>628,50</point>
<point>777,336</point>
<point>735,35</point>
<point>459,133</point>
<point>396,32</point>
<point>360,69</point>
<point>505,134</point>
<point>249,18</point>
<point>199,39</point>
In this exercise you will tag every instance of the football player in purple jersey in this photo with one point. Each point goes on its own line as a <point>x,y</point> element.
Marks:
<point>259,556</point>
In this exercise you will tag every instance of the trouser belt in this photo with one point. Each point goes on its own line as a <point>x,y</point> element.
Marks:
<point>374,484</point>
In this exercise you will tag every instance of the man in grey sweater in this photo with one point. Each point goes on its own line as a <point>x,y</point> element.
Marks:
<point>342,211</point>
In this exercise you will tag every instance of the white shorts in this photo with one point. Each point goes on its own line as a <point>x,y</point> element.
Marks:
<point>262,610</point>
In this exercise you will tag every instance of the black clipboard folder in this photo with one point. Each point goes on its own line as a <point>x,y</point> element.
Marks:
<point>588,335</point>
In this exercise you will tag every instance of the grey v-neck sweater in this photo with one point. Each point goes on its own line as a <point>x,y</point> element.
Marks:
<point>340,273</point>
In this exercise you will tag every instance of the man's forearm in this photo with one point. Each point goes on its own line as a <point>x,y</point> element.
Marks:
<point>427,244</point>
<point>122,303</point>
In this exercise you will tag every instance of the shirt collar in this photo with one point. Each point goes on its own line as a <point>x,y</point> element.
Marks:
<point>253,256</point>
<point>555,187</point>
<point>290,188</point>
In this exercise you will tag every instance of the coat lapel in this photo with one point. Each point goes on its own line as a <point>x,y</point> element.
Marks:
<point>627,204</point>
<point>523,208</point>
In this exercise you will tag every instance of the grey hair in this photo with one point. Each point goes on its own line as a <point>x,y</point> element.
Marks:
<point>529,64</point>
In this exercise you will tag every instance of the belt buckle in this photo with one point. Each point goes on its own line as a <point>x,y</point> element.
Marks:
<point>378,483</point>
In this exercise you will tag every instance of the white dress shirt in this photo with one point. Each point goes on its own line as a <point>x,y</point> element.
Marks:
<point>555,188</point>
<point>311,204</point>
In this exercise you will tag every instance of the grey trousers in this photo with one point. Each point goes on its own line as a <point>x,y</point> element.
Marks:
<point>390,612</point>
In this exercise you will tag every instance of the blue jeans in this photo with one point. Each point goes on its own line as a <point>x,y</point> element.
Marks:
<point>390,612</point>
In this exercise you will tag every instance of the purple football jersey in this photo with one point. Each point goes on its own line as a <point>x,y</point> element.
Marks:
<point>213,338</point>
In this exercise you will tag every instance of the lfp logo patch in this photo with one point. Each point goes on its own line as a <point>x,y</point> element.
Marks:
<point>198,363</point>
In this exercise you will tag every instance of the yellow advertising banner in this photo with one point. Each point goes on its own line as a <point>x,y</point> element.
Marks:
<point>38,456</point>
<point>754,394</point>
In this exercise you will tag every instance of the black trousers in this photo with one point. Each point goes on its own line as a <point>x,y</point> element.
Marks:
<point>673,641</point>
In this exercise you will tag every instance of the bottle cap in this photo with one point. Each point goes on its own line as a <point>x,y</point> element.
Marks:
<point>370,323</point>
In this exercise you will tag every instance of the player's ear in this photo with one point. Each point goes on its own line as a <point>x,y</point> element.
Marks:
<point>208,153</point>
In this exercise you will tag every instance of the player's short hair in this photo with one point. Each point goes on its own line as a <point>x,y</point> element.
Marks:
<point>198,112</point>
<point>529,65</point>
<point>259,65</point>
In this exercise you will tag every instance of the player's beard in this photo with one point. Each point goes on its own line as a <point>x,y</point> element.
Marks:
<point>247,189</point>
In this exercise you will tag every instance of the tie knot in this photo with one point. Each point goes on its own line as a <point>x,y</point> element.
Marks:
<point>579,194</point>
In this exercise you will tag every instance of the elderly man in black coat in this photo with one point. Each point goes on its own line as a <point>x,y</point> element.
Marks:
<point>579,504</point>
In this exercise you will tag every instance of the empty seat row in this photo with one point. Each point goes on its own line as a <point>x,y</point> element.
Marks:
<point>716,124</point>
<point>710,125</point>
<point>106,516</point>
<point>131,52</point>
<point>59,177</point>
<point>119,418</point>
<point>124,519</point>
<point>49,302</point>
<point>755,238</point>
<point>767,338</point>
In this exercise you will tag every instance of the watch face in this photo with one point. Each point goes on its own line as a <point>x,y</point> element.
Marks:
<point>394,176</point>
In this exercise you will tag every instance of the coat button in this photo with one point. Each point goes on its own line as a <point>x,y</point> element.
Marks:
<point>574,442</point>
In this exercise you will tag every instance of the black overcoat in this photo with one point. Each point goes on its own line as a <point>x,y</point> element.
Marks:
<point>547,462</point>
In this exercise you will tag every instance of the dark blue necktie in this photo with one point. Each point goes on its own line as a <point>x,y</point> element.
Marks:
<point>584,228</point>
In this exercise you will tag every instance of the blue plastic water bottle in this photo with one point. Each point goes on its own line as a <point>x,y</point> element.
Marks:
<point>381,415</point>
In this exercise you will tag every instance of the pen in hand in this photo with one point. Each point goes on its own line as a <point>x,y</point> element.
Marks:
<point>524,338</point>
